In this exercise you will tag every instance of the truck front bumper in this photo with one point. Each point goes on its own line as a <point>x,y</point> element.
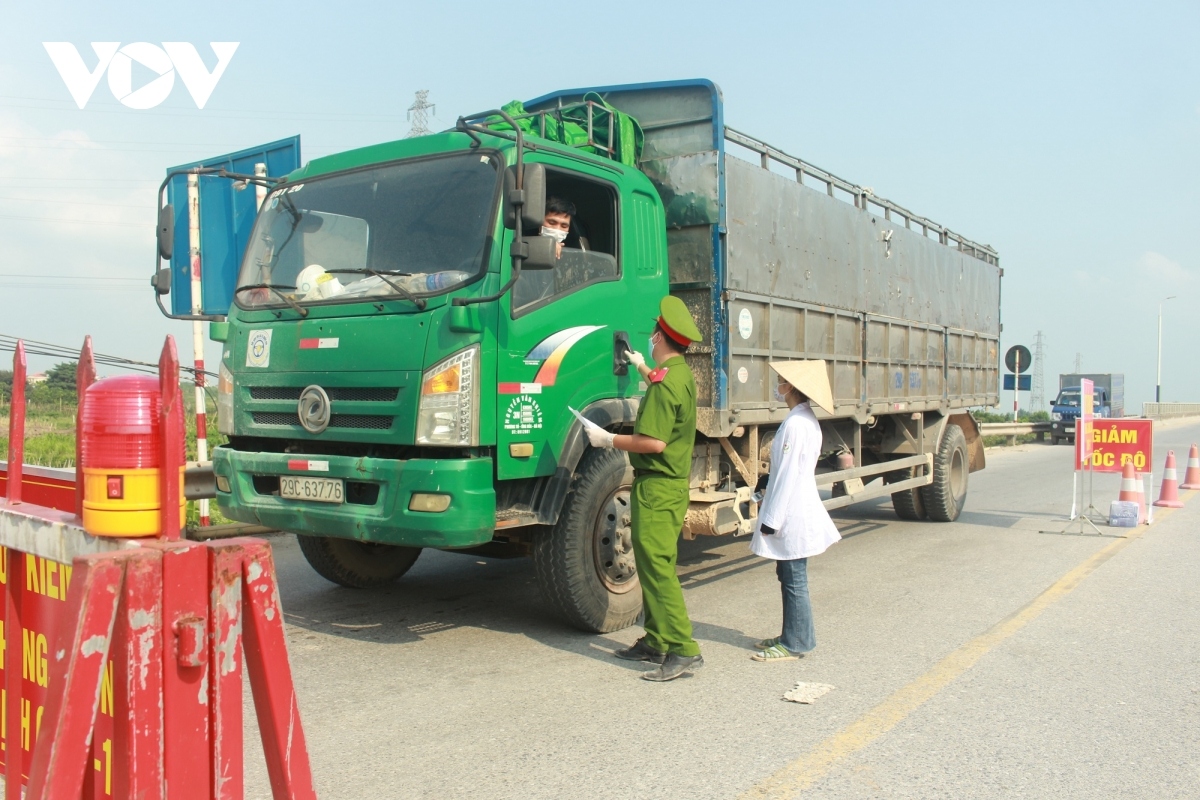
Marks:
<point>1063,427</point>
<point>378,492</point>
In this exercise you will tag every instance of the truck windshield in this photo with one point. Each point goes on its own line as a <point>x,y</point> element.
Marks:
<point>406,230</point>
<point>1070,397</point>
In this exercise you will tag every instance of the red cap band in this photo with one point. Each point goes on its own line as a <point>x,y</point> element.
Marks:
<point>676,336</point>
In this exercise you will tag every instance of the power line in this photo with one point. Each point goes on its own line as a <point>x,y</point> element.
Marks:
<point>71,277</point>
<point>36,348</point>
<point>74,221</point>
<point>418,114</point>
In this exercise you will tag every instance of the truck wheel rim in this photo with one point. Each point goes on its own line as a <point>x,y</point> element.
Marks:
<point>613,543</point>
<point>958,474</point>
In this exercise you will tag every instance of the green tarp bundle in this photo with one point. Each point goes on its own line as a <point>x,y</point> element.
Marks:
<point>569,127</point>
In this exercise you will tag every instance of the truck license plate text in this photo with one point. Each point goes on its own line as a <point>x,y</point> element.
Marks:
<point>321,490</point>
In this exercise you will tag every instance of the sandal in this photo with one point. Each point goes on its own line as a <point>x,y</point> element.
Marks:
<point>766,644</point>
<point>777,652</point>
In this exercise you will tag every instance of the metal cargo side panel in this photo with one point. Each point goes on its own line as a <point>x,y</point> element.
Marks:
<point>763,330</point>
<point>789,241</point>
<point>904,364</point>
<point>972,369</point>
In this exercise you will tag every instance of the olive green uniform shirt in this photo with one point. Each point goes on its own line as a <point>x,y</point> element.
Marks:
<point>668,413</point>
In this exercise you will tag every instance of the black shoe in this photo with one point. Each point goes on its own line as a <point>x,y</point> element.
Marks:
<point>674,666</point>
<point>640,651</point>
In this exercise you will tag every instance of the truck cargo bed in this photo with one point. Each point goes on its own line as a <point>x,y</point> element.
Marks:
<point>782,260</point>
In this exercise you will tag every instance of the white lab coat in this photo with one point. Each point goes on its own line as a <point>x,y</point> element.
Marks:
<point>791,505</point>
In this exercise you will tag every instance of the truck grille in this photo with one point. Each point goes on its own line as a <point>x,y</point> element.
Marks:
<point>357,394</point>
<point>352,421</point>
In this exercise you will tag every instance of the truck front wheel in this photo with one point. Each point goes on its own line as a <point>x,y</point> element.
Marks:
<point>354,564</point>
<point>945,497</point>
<point>584,564</point>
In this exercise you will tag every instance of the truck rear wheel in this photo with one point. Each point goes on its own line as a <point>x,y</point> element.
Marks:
<point>945,497</point>
<point>585,564</point>
<point>354,564</point>
<point>908,504</point>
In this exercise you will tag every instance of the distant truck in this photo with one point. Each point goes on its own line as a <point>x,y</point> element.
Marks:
<point>1108,394</point>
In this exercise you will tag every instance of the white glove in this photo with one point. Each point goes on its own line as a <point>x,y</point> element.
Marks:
<point>599,437</point>
<point>635,358</point>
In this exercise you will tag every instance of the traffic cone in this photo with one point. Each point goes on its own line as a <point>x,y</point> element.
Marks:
<point>1168,496</point>
<point>1131,489</point>
<point>1191,479</point>
<point>1143,512</point>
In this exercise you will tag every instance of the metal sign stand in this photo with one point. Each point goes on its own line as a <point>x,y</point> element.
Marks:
<point>1083,520</point>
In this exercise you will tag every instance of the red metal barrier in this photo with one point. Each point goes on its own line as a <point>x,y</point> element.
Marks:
<point>141,643</point>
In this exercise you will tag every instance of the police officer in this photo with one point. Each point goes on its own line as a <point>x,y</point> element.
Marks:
<point>660,450</point>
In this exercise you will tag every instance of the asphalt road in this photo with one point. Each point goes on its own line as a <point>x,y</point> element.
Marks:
<point>984,658</point>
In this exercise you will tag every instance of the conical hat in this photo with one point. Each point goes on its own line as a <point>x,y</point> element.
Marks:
<point>810,377</point>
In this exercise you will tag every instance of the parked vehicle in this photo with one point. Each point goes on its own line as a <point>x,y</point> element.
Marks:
<point>1108,400</point>
<point>413,390</point>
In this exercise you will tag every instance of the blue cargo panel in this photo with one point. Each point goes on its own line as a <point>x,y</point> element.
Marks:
<point>226,220</point>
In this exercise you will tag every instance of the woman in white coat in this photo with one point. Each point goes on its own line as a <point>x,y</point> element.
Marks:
<point>792,523</point>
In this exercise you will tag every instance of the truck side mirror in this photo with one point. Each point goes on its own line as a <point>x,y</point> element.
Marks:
<point>532,197</point>
<point>536,252</point>
<point>166,233</point>
<point>162,281</point>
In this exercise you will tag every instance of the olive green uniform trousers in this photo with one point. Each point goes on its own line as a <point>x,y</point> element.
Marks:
<point>659,505</point>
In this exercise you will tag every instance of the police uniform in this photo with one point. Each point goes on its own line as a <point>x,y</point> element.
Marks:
<point>660,487</point>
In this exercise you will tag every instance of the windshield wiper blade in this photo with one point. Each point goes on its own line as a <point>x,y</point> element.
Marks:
<point>419,302</point>
<point>276,287</point>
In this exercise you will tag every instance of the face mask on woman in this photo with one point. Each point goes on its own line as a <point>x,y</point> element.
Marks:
<point>781,394</point>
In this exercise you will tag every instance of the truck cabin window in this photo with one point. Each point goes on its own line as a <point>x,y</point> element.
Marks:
<point>1070,397</point>
<point>589,252</point>
<point>422,226</point>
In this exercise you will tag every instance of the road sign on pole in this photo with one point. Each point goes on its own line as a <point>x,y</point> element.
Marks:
<point>1018,358</point>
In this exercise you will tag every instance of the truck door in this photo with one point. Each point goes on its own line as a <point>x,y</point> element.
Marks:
<point>558,326</point>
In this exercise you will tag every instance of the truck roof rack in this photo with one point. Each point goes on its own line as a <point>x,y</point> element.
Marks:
<point>863,197</point>
<point>605,148</point>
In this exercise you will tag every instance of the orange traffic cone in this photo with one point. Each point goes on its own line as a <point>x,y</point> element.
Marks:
<point>1191,479</point>
<point>1168,496</point>
<point>1131,489</point>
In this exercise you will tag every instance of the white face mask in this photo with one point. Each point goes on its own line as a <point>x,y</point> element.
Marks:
<point>780,394</point>
<point>557,234</point>
<point>651,350</point>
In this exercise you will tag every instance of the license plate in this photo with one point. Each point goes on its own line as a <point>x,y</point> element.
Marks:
<point>320,490</point>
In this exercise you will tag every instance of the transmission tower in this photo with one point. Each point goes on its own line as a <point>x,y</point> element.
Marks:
<point>418,114</point>
<point>1037,394</point>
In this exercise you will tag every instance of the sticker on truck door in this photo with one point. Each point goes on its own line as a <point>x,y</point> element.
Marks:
<point>523,415</point>
<point>258,348</point>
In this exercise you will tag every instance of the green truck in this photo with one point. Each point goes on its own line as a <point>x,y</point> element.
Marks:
<point>404,348</point>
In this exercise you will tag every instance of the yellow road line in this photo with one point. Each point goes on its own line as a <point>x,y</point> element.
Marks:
<point>808,769</point>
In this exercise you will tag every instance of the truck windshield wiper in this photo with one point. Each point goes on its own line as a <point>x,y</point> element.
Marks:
<point>419,302</point>
<point>276,288</point>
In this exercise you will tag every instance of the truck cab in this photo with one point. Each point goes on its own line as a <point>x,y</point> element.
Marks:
<point>1065,410</point>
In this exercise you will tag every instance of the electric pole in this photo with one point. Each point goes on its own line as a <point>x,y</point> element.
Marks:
<point>1037,394</point>
<point>418,114</point>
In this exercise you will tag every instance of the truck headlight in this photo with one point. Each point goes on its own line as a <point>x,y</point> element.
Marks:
<point>225,400</point>
<point>1056,416</point>
<point>448,413</point>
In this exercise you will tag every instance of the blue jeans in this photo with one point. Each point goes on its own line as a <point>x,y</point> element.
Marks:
<point>798,634</point>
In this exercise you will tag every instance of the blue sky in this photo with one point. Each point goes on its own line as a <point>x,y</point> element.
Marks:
<point>1066,135</point>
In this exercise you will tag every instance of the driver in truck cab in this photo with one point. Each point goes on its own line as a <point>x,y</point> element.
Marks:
<point>557,222</point>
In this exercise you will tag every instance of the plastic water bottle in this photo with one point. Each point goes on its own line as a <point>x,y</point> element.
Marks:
<point>434,281</point>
